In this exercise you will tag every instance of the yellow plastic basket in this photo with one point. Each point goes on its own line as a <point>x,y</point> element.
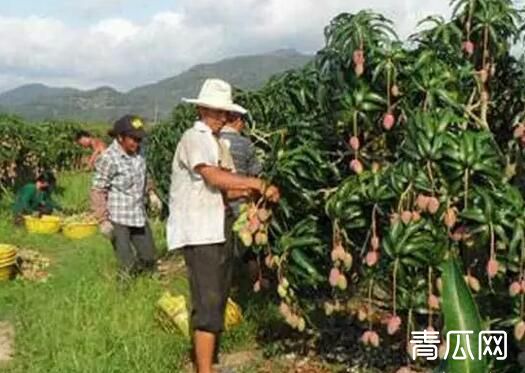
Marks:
<point>7,251</point>
<point>78,231</point>
<point>7,262</point>
<point>6,273</point>
<point>47,224</point>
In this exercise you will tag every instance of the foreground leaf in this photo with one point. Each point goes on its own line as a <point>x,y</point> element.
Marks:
<point>461,314</point>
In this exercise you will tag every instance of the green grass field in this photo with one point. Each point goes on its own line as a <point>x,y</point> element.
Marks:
<point>80,320</point>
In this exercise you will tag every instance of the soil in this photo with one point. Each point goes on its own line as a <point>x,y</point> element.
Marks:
<point>291,364</point>
<point>7,342</point>
<point>240,359</point>
<point>253,362</point>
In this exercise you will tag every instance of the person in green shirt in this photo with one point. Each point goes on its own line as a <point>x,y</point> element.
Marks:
<point>35,198</point>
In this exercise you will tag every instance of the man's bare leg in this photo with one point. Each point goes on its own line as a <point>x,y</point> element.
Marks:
<point>204,348</point>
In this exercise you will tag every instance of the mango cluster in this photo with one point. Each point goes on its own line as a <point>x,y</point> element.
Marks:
<point>252,225</point>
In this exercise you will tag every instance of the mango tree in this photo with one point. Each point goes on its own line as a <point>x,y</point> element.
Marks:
<point>28,148</point>
<point>396,163</point>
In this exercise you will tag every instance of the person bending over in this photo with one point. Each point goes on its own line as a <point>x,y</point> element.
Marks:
<point>35,198</point>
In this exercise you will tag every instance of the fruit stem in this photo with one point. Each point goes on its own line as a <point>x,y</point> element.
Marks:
<point>469,20</point>
<point>522,296</point>
<point>431,176</point>
<point>280,267</point>
<point>472,97</point>
<point>485,91</point>
<point>478,121</point>
<point>394,290</point>
<point>466,186</point>
<point>261,200</point>
<point>522,255</point>
<point>492,251</point>
<point>369,313</point>
<point>429,294</point>
<point>335,234</point>
<point>260,267</point>
<point>388,88</point>
<point>492,241</point>
<point>485,46</point>
<point>355,124</point>
<point>409,326</point>
<point>402,198</point>
<point>449,229</point>
<point>374,226</point>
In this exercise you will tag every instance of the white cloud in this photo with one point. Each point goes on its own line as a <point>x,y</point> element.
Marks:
<point>124,54</point>
<point>116,30</point>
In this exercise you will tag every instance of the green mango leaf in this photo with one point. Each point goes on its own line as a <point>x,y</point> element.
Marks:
<point>301,260</point>
<point>462,315</point>
<point>475,214</point>
<point>517,237</point>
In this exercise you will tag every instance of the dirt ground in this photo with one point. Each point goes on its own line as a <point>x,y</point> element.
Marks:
<point>7,342</point>
<point>253,362</point>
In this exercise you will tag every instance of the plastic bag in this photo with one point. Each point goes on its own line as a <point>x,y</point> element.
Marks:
<point>173,312</point>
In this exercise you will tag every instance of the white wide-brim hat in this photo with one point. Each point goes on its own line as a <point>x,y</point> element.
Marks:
<point>216,94</point>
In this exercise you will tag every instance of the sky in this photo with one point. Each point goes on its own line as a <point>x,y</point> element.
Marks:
<point>127,43</point>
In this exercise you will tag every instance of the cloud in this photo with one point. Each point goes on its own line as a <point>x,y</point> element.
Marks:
<point>117,30</point>
<point>126,53</point>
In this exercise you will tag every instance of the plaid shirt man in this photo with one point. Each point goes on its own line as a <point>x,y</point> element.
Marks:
<point>124,178</point>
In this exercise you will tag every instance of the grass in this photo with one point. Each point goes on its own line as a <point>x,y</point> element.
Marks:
<point>80,321</point>
<point>72,191</point>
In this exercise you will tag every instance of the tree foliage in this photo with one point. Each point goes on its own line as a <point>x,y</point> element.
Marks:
<point>28,148</point>
<point>400,155</point>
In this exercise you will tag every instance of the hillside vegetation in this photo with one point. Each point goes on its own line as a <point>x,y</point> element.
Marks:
<point>154,101</point>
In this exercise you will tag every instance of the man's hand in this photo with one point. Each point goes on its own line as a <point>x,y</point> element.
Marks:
<point>106,228</point>
<point>233,195</point>
<point>19,220</point>
<point>154,201</point>
<point>91,161</point>
<point>226,181</point>
<point>150,185</point>
<point>98,203</point>
<point>272,194</point>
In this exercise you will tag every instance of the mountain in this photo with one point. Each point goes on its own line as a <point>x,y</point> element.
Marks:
<point>39,102</point>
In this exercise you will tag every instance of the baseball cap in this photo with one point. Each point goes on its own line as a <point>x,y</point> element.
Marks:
<point>128,125</point>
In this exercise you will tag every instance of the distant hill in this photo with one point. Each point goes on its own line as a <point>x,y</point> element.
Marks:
<point>38,102</point>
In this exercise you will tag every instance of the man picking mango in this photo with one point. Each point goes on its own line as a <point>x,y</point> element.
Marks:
<point>199,223</point>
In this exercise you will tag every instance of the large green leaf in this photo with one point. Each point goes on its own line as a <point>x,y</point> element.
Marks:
<point>461,314</point>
